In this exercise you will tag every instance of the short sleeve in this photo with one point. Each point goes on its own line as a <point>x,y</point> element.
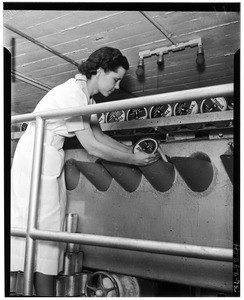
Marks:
<point>74,124</point>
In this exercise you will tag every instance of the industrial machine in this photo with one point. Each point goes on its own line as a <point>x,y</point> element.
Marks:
<point>186,199</point>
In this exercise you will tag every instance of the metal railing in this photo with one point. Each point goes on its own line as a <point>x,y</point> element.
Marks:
<point>32,233</point>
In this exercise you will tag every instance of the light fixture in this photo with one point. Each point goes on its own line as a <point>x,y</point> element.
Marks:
<point>200,56</point>
<point>160,61</point>
<point>160,52</point>
<point>140,67</point>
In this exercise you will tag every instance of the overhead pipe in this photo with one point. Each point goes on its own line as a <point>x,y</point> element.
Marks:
<point>159,99</point>
<point>40,44</point>
<point>174,249</point>
<point>159,27</point>
<point>30,81</point>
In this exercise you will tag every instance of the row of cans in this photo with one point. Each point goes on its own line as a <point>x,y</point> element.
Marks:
<point>167,110</point>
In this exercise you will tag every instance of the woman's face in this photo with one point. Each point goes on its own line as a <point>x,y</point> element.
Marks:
<point>109,81</point>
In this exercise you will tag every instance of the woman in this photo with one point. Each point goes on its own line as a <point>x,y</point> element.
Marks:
<point>101,73</point>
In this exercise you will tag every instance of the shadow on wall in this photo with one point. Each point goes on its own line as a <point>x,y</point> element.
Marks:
<point>196,171</point>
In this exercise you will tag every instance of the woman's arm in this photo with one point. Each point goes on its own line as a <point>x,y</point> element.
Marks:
<point>105,139</point>
<point>96,148</point>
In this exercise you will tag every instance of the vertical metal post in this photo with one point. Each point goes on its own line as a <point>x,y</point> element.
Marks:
<point>33,207</point>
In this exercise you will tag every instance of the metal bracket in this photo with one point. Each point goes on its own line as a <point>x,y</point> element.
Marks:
<point>173,48</point>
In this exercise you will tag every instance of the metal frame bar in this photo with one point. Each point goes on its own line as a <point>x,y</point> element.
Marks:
<point>33,207</point>
<point>166,122</point>
<point>159,99</point>
<point>173,48</point>
<point>174,249</point>
<point>28,80</point>
<point>40,44</point>
<point>159,27</point>
<point>105,241</point>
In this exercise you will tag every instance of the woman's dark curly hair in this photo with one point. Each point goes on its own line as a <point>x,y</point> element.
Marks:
<point>107,58</point>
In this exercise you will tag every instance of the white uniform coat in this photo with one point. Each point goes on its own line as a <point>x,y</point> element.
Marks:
<point>52,197</point>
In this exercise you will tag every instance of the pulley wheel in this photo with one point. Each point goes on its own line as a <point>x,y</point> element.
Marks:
<point>115,116</point>
<point>147,145</point>
<point>101,284</point>
<point>185,108</point>
<point>137,113</point>
<point>159,111</point>
<point>213,104</point>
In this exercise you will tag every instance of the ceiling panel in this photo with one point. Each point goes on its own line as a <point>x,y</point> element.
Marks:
<point>77,33</point>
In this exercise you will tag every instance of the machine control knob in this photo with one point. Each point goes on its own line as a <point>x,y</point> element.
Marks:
<point>100,284</point>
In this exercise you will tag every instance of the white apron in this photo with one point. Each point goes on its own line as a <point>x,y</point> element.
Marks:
<point>52,194</point>
<point>52,203</point>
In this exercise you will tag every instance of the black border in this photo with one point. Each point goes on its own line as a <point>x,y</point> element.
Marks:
<point>149,6</point>
<point>235,7</point>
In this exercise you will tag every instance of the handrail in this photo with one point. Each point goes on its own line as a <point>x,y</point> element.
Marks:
<point>33,206</point>
<point>159,99</point>
<point>150,246</point>
<point>174,249</point>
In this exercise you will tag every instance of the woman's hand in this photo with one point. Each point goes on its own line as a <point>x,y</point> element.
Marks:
<point>144,159</point>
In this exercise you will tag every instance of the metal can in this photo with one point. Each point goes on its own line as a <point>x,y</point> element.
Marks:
<point>101,118</point>
<point>160,111</point>
<point>136,114</point>
<point>185,108</point>
<point>115,116</point>
<point>71,222</point>
<point>148,145</point>
<point>213,104</point>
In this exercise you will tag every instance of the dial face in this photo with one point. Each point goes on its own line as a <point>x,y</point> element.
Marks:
<point>159,111</point>
<point>213,104</point>
<point>186,108</point>
<point>24,126</point>
<point>101,118</point>
<point>137,113</point>
<point>147,145</point>
<point>115,116</point>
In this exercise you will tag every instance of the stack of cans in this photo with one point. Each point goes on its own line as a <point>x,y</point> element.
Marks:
<point>68,282</point>
<point>16,283</point>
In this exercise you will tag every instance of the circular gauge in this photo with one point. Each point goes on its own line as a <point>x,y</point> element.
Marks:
<point>101,118</point>
<point>213,104</point>
<point>136,113</point>
<point>115,116</point>
<point>23,126</point>
<point>159,111</point>
<point>230,103</point>
<point>185,108</point>
<point>147,145</point>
